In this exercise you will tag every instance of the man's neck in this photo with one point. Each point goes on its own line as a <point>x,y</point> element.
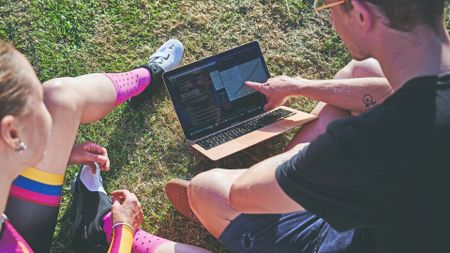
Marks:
<point>406,56</point>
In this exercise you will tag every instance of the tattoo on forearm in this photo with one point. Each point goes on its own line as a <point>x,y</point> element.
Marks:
<point>369,101</point>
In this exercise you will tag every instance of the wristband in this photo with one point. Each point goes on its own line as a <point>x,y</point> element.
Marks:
<point>123,224</point>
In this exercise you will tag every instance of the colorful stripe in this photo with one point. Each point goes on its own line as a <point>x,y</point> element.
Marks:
<point>34,186</point>
<point>122,240</point>
<point>43,177</point>
<point>24,247</point>
<point>34,197</point>
<point>38,187</point>
<point>142,241</point>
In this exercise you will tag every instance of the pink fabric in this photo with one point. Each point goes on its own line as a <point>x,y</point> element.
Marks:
<point>129,84</point>
<point>34,197</point>
<point>12,242</point>
<point>143,242</point>
<point>116,246</point>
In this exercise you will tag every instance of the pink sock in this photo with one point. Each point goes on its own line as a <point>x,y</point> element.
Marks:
<point>143,242</point>
<point>129,84</point>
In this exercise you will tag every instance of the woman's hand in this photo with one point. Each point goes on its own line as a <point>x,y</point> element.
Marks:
<point>126,209</point>
<point>90,153</point>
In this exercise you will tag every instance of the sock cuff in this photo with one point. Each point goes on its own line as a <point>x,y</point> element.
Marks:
<point>38,187</point>
<point>43,177</point>
<point>142,241</point>
<point>129,84</point>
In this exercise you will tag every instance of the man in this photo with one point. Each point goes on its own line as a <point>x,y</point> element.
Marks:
<point>376,182</point>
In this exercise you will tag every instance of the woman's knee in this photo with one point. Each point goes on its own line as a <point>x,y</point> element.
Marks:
<point>59,96</point>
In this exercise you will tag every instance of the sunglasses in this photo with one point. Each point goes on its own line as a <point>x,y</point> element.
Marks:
<point>324,10</point>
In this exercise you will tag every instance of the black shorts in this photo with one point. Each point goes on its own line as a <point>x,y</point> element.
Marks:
<point>300,232</point>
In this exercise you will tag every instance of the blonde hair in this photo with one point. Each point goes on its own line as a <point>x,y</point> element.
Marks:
<point>14,86</point>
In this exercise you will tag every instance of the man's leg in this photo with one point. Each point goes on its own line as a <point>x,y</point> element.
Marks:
<point>176,247</point>
<point>208,192</point>
<point>328,113</point>
<point>208,197</point>
<point>71,102</point>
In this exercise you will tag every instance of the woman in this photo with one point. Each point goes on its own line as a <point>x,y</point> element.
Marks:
<point>26,127</point>
<point>21,109</point>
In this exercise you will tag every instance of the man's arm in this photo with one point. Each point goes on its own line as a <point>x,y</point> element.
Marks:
<point>356,94</point>
<point>257,190</point>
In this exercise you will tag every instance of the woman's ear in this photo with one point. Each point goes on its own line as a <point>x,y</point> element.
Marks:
<point>9,132</point>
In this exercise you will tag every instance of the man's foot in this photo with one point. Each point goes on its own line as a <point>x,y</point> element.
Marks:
<point>91,203</point>
<point>176,191</point>
<point>166,58</point>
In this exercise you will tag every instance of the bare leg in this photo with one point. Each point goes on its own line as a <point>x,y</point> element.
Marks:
<point>72,101</point>
<point>208,192</point>
<point>174,247</point>
<point>328,113</point>
<point>83,99</point>
<point>208,197</point>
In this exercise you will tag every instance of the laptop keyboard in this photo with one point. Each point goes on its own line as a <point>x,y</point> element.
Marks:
<point>244,128</point>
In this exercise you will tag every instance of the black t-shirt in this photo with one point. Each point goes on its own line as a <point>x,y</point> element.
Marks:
<point>384,173</point>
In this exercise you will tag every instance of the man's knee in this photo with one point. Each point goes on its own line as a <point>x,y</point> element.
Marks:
<point>360,69</point>
<point>59,96</point>
<point>209,192</point>
<point>201,188</point>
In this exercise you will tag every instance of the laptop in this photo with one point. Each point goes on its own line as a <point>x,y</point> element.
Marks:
<point>218,113</point>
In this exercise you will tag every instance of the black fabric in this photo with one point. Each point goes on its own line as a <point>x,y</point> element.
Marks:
<point>287,233</point>
<point>90,208</point>
<point>35,223</point>
<point>384,172</point>
<point>156,82</point>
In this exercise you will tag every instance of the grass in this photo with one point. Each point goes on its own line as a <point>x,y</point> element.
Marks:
<point>146,147</point>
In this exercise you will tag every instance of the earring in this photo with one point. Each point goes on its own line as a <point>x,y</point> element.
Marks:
<point>21,146</point>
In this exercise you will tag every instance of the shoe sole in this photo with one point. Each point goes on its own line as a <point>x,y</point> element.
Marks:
<point>176,192</point>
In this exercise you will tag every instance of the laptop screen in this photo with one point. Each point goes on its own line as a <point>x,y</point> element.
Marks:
<point>210,94</point>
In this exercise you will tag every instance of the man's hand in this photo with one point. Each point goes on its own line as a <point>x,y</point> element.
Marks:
<point>126,209</point>
<point>277,90</point>
<point>90,153</point>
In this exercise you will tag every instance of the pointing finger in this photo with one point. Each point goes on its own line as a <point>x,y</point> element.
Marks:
<point>256,86</point>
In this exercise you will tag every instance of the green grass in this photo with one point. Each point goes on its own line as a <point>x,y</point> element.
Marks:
<point>70,38</point>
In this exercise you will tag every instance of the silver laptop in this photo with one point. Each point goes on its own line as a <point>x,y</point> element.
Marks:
<point>218,113</point>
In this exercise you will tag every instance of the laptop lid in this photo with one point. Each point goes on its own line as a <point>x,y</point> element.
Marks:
<point>210,94</point>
